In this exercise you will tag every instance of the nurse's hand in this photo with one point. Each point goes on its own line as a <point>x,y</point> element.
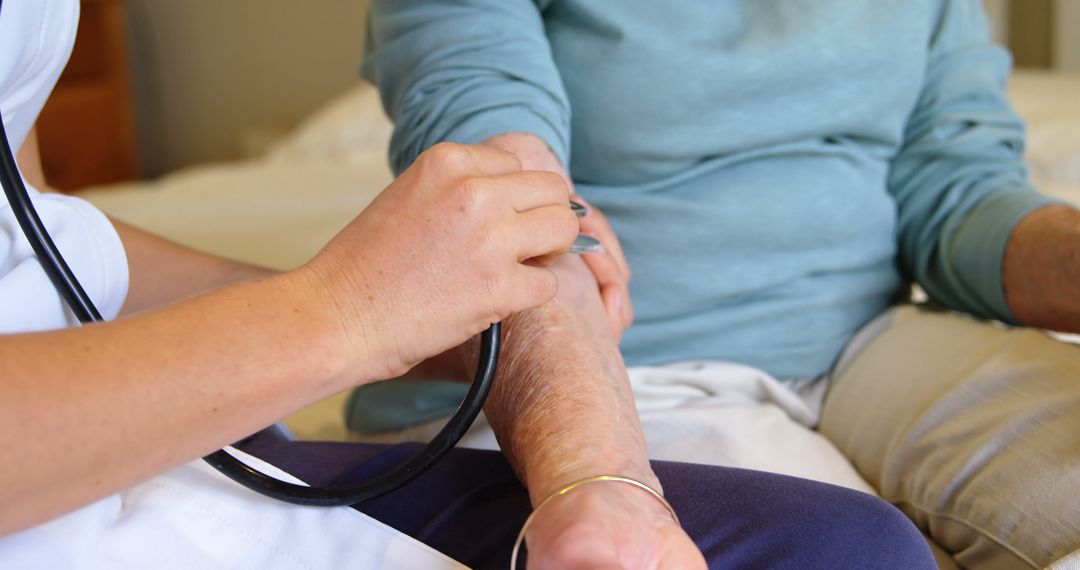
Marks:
<point>612,526</point>
<point>459,241</point>
<point>609,265</point>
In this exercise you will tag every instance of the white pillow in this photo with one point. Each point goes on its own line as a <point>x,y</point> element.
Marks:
<point>350,127</point>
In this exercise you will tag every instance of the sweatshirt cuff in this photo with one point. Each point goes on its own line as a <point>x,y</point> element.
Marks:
<point>979,247</point>
<point>512,119</point>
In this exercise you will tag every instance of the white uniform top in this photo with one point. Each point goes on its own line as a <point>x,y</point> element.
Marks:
<point>191,517</point>
<point>35,41</point>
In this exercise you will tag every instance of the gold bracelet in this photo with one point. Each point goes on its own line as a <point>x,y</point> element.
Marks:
<point>579,483</point>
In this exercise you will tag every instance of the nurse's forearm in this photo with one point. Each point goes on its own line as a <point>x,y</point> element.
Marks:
<point>87,412</point>
<point>162,271</point>
<point>1042,269</point>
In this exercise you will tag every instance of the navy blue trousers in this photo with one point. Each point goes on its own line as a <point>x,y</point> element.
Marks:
<point>470,506</point>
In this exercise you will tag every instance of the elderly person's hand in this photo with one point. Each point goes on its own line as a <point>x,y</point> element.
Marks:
<point>1042,269</point>
<point>608,265</point>
<point>609,525</point>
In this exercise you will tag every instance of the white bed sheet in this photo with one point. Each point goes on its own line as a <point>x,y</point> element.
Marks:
<point>277,210</point>
<point>274,213</point>
<point>1050,105</point>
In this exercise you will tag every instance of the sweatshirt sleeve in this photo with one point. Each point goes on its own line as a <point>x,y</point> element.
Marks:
<point>959,181</point>
<point>463,71</point>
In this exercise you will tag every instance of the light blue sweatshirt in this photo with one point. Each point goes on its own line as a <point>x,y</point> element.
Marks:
<point>777,170</point>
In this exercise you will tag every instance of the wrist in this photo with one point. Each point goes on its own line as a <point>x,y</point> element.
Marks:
<point>546,482</point>
<point>339,326</point>
<point>602,499</point>
<point>643,496</point>
<point>236,272</point>
<point>606,522</point>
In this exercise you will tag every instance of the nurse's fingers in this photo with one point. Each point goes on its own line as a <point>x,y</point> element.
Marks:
<point>532,189</point>
<point>544,234</point>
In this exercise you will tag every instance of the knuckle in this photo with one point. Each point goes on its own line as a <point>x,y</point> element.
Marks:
<point>448,158</point>
<point>512,159</point>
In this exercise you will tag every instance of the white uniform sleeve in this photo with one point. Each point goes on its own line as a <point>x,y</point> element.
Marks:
<point>89,243</point>
<point>36,37</point>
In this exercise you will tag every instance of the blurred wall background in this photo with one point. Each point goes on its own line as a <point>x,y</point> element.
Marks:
<point>1040,33</point>
<point>214,79</point>
<point>998,11</point>
<point>1067,35</point>
<point>218,79</point>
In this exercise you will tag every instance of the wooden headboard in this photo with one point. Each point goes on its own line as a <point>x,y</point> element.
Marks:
<point>1031,32</point>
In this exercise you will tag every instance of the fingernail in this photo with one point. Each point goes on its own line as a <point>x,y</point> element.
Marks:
<point>585,244</point>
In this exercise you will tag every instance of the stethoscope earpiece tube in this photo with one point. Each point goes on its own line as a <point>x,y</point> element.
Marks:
<point>69,288</point>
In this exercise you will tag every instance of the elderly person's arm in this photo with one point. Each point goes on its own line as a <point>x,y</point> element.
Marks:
<point>563,410</point>
<point>972,230</point>
<point>481,71</point>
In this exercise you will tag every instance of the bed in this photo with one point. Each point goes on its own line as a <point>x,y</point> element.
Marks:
<point>279,208</point>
